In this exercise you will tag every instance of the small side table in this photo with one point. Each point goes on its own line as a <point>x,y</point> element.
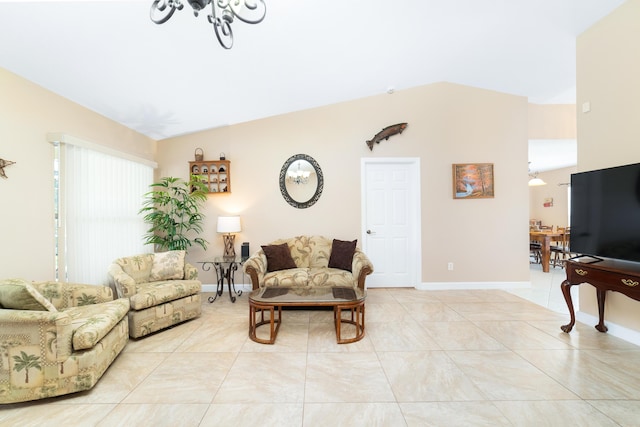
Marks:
<point>225,269</point>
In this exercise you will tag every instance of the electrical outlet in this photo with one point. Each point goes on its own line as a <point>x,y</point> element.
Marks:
<point>450,266</point>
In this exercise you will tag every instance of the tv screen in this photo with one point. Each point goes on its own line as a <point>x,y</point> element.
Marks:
<point>605,213</point>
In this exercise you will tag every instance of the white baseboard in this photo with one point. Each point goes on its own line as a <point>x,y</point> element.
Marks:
<point>244,287</point>
<point>460,286</point>
<point>616,330</point>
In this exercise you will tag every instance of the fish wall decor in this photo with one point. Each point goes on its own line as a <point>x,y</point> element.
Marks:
<point>386,133</point>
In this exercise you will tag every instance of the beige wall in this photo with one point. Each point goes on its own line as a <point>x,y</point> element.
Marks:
<point>608,66</point>
<point>448,124</point>
<point>552,121</point>
<point>27,114</point>
<point>558,213</point>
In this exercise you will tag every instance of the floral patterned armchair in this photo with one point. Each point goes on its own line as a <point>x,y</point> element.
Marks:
<point>163,290</point>
<point>57,338</point>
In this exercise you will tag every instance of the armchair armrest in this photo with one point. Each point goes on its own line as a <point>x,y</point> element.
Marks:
<point>124,284</point>
<point>361,267</point>
<point>34,326</point>
<point>190,272</point>
<point>256,267</point>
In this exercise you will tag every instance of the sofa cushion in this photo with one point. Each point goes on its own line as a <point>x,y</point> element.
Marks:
<point>278,257</point>
<point>90,323</point>
<point>342,254</point>
<point>154,293</point>
<point>167,266</point>
<point>320,251</point>
<point>308,251</point>
<point>18,294</point>
<point>331,277</point>
<point>137,267</point>
<point>293,277</point>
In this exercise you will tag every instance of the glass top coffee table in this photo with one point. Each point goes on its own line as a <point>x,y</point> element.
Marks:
<point>270,300</point>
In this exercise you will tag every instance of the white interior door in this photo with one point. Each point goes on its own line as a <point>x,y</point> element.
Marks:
<point>391,220</point>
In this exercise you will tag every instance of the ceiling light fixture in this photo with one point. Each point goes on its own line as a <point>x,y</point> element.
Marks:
<point>535,181</point>
<point>223,12</point>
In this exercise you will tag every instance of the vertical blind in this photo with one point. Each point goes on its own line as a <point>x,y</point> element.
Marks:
<point>100,196</point>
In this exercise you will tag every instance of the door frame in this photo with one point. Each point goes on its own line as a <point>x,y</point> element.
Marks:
<point>414,210</point>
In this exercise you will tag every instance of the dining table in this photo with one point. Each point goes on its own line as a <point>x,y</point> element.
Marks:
<point>545,238</point>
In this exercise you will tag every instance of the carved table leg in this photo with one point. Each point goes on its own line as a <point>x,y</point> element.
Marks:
<point>601,294</point>
<point>230,282</point>
<point>566,291</point>
<point>220,281</point>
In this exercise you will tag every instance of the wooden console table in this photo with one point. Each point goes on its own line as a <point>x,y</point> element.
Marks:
<point>605,275</point>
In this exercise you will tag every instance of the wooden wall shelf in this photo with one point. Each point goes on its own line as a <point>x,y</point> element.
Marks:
<point>216,174</point>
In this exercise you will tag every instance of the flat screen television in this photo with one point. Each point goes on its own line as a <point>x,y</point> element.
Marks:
<point>605,213</point>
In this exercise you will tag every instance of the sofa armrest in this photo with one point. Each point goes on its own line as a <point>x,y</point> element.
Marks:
<point>256,268</point>
<point>361,267</point>
<point>124,284</point>
<point>190,272</point>
<point>27,328</point>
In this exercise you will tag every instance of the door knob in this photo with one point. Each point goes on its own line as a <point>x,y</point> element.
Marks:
<point>370,232</point>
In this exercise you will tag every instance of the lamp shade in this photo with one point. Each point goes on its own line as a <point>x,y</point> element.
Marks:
<point>534,182</point>
<point>229,224</point>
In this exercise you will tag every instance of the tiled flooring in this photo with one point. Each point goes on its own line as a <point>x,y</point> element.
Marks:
<point>429,358</point>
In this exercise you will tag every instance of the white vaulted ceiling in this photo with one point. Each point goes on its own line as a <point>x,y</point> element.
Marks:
<point>172,79</point>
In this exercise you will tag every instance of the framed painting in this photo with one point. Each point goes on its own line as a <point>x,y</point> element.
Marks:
<point>473,181</point>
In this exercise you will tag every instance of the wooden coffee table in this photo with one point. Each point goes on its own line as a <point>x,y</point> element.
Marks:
<point>271,300</point>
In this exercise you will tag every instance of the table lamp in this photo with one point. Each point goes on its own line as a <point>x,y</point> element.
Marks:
<point>228,225</point>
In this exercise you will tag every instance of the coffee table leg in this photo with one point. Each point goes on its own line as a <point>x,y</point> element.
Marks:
<point>274,323</point>
<point>357,319</point>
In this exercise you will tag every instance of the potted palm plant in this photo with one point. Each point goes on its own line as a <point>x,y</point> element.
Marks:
<point>172,209</point>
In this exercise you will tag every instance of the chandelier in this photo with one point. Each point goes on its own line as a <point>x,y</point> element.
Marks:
<point>298,176</point>
<point>223,12</point>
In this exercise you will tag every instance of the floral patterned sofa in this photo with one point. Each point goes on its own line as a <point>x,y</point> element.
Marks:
<point>309,261</point>
<point>57,338</point>
<point>163,290</point>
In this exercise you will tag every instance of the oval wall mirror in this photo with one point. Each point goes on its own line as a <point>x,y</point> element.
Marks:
<point>301,181</point>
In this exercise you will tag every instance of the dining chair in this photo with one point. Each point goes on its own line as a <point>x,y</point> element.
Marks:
<point>561,250</point>
<point>535,253</point>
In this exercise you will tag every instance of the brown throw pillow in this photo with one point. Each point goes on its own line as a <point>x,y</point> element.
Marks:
<point>342,254</point>
<point>278,257</point>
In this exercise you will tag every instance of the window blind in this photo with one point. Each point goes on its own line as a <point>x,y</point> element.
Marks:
<point>99,199</point>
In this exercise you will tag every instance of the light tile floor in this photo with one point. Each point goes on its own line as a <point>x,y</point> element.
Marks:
<point>429,358</point>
